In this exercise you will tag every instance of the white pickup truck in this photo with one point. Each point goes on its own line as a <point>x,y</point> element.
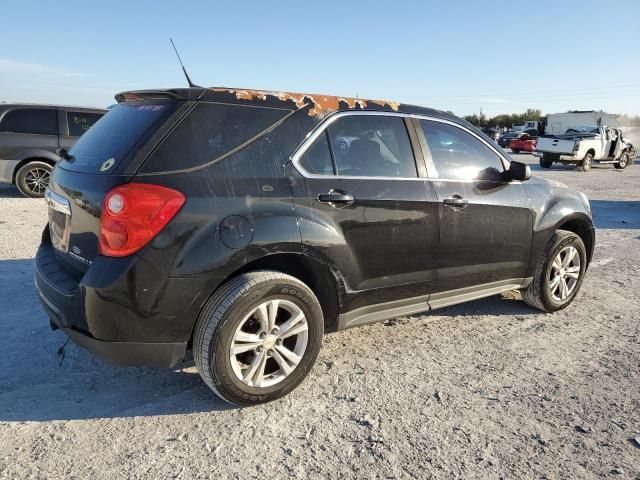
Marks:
<point>584,145</point>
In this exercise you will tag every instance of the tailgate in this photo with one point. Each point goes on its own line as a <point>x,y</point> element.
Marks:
<point>555,145</point>
<point>74,203</point>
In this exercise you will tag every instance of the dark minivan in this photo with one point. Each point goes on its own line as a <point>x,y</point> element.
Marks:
<point>243,224</point>
<point>31,137</point>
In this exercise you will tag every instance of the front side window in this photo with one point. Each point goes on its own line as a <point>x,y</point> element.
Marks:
<point>372,146</point>
<point>31,120</point>
<point>456,154</point>
<point>80,122</point>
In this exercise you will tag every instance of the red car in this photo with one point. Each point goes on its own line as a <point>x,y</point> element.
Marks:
<point>523,143</point>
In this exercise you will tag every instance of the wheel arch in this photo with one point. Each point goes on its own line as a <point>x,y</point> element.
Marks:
<point>319,277</point>
<point>590,151</point>
<point>583,227</point>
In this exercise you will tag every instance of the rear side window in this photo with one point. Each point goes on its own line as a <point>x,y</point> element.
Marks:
<point>31,120</point>
<point>317,160</point>
<point>456,154</point>
<point>210,131</point>
<point>104,147</point>
<point>372,146</point>
<point>80,122</point>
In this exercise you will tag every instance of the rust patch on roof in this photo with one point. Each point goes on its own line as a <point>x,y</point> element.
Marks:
<point>320,104</point>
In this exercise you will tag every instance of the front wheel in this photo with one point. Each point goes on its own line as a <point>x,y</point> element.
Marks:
<point>586,163</point>
<point>622,162</point>
<point>559,273</point>
<point>32,178</point>
<point>258,337</point>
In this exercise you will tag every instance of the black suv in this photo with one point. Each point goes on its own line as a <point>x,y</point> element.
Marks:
<point>243,224</point>
<point>31,137</point>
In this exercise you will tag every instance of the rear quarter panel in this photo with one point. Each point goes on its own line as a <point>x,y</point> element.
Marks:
<point>238,209</point>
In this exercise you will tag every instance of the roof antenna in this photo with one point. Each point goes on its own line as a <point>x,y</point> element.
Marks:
<point>191,84</point>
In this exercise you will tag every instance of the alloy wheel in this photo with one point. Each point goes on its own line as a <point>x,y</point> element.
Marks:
<point>269,343</point>
<point>564,274</point>
<point>37,180</point>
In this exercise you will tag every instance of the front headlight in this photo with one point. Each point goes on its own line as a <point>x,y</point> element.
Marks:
<point>576,146</point>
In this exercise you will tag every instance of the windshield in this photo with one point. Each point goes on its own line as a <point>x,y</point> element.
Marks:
<point>112,138</point>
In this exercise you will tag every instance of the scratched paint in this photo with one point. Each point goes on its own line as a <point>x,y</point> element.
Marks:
<point>320,104</point>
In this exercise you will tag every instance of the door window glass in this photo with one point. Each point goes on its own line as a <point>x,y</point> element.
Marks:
<point>79,122</point>
<point>317,159</point>
<point>457,154</point>
<point>372,146</point>
<point>39,121</point>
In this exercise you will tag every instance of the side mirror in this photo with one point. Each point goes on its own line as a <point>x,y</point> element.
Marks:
<point>519,171</point>
<point>63,153</point>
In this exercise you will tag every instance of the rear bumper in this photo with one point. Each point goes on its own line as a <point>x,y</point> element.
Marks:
<point>133,354</point>
<point>121,310</point>
<point>556,157</point>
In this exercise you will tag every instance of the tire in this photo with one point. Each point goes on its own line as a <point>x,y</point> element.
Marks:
<point>515,151</point>
<point>229,310</point>
<point>585,164</point>
<point>33,178</point>
<point>539,293</point>
<point>623,162</point>
<point>544,163</point>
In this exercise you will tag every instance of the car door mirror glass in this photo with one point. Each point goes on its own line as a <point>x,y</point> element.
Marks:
<point>519,171</point>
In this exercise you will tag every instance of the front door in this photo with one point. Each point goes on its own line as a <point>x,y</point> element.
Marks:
<point>485,219</point>
<point>365,208</point>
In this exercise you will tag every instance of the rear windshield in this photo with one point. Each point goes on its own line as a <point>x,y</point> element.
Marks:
<point>210,131</point>
<point>112,138</point>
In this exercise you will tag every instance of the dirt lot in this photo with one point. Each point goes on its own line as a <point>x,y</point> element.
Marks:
<point>489,389</point>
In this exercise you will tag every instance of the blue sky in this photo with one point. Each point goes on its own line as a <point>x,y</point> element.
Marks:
<point>453,55</point>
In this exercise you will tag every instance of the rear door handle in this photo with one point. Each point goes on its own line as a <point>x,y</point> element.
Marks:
<point>455,201</point>
<point>336,198</point>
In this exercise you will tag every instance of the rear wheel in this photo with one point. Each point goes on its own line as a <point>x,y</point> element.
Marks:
<point>623,162</point>
<point>258,337</point>
<point>33,178</point>
<point>545,163</point>
<point>559,273</point>
<point>586,163</point>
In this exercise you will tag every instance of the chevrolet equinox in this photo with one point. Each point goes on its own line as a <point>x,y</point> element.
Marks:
<point>243,224</point>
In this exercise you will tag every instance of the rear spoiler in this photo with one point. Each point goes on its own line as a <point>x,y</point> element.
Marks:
<point>175,94</point>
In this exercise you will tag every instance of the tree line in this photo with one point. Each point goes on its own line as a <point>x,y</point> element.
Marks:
<point>504,120</point>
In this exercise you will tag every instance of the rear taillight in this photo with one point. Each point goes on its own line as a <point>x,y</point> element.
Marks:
<point>133,214</point>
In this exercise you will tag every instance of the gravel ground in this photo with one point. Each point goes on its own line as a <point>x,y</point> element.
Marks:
<point>488,389</point>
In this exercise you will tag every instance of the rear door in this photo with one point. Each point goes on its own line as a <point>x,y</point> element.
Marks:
<point>363,204</point>
<point>485,219</point>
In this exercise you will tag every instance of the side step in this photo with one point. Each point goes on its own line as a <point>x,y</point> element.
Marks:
<point>399,308</point>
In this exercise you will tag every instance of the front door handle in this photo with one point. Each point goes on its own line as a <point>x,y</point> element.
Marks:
<point>455,201</point>
<point>336,198</point>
